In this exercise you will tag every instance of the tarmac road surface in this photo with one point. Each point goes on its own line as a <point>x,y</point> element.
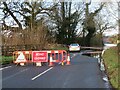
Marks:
<point>83,72</point>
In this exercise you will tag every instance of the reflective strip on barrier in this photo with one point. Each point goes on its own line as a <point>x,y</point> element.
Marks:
<point>48,51</point>
<point>56,51</point>
<point>27,52</point>
<point>19,52</point>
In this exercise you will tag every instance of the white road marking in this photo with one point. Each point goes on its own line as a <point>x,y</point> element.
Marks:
<point>15,74</point>
<point>59,62</point>
<point>5,68</point>
<point>41,73</point>
<point>74,55</point>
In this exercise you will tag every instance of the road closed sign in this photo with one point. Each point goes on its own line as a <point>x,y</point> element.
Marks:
<point>39,56</point>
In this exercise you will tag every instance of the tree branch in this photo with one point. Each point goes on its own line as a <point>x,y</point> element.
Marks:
<point>96,11</point>
<point>8,10</point>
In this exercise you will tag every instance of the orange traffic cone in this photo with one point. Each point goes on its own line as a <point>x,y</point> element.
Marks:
<point>51,61</point>
<point>68,60</point>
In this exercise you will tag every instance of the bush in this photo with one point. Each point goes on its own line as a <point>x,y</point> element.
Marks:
<point>97,41</point>
<point>6,59</point>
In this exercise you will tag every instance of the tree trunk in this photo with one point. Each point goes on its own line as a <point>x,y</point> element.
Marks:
<point>90,23</point>
<point>89,36</point>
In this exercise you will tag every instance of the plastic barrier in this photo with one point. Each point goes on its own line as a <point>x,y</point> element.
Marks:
<point>39,57</point>
<point>21,57</point>
<point>57,56</point>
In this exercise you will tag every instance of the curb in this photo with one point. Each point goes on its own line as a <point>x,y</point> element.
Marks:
<point>103,70</point>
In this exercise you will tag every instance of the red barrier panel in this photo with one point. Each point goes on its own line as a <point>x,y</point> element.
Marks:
<point>39,56</point>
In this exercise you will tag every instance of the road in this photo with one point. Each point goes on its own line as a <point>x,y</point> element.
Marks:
<point>83,72</point>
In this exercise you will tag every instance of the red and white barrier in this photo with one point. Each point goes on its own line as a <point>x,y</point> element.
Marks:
<point>61,56</point>
<point>38,57</point>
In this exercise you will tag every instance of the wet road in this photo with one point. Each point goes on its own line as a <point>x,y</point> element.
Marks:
<point>83,72</point>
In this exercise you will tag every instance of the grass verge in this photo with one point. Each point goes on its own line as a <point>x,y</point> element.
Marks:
<point>5,59</point>
<point>111,62</point>
<point>57,47</point>
<point>60,48</point>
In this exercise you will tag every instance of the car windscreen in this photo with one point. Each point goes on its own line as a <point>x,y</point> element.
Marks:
<point>74,44</point>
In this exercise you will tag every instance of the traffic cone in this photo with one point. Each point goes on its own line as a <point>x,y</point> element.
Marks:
<point>51,61</point>
<point>68,60</point>
<point>38,64</point>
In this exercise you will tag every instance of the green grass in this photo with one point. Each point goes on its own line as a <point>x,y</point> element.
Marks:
<point>111,62</point>
<point>5,59</point>
<point>59,48</point>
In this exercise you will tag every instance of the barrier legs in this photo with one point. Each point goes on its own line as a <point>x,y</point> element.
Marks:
<point>22,64</point>
<point>38,64</point>
<point>62,63</point>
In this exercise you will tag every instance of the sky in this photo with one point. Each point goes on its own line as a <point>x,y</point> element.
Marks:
<point>112,10</point>
<point>66,0</point>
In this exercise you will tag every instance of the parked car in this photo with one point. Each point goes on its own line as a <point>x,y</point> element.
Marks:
<point>74,47</point>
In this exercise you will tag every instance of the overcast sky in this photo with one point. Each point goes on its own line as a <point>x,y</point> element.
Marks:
<point>112,10</point>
